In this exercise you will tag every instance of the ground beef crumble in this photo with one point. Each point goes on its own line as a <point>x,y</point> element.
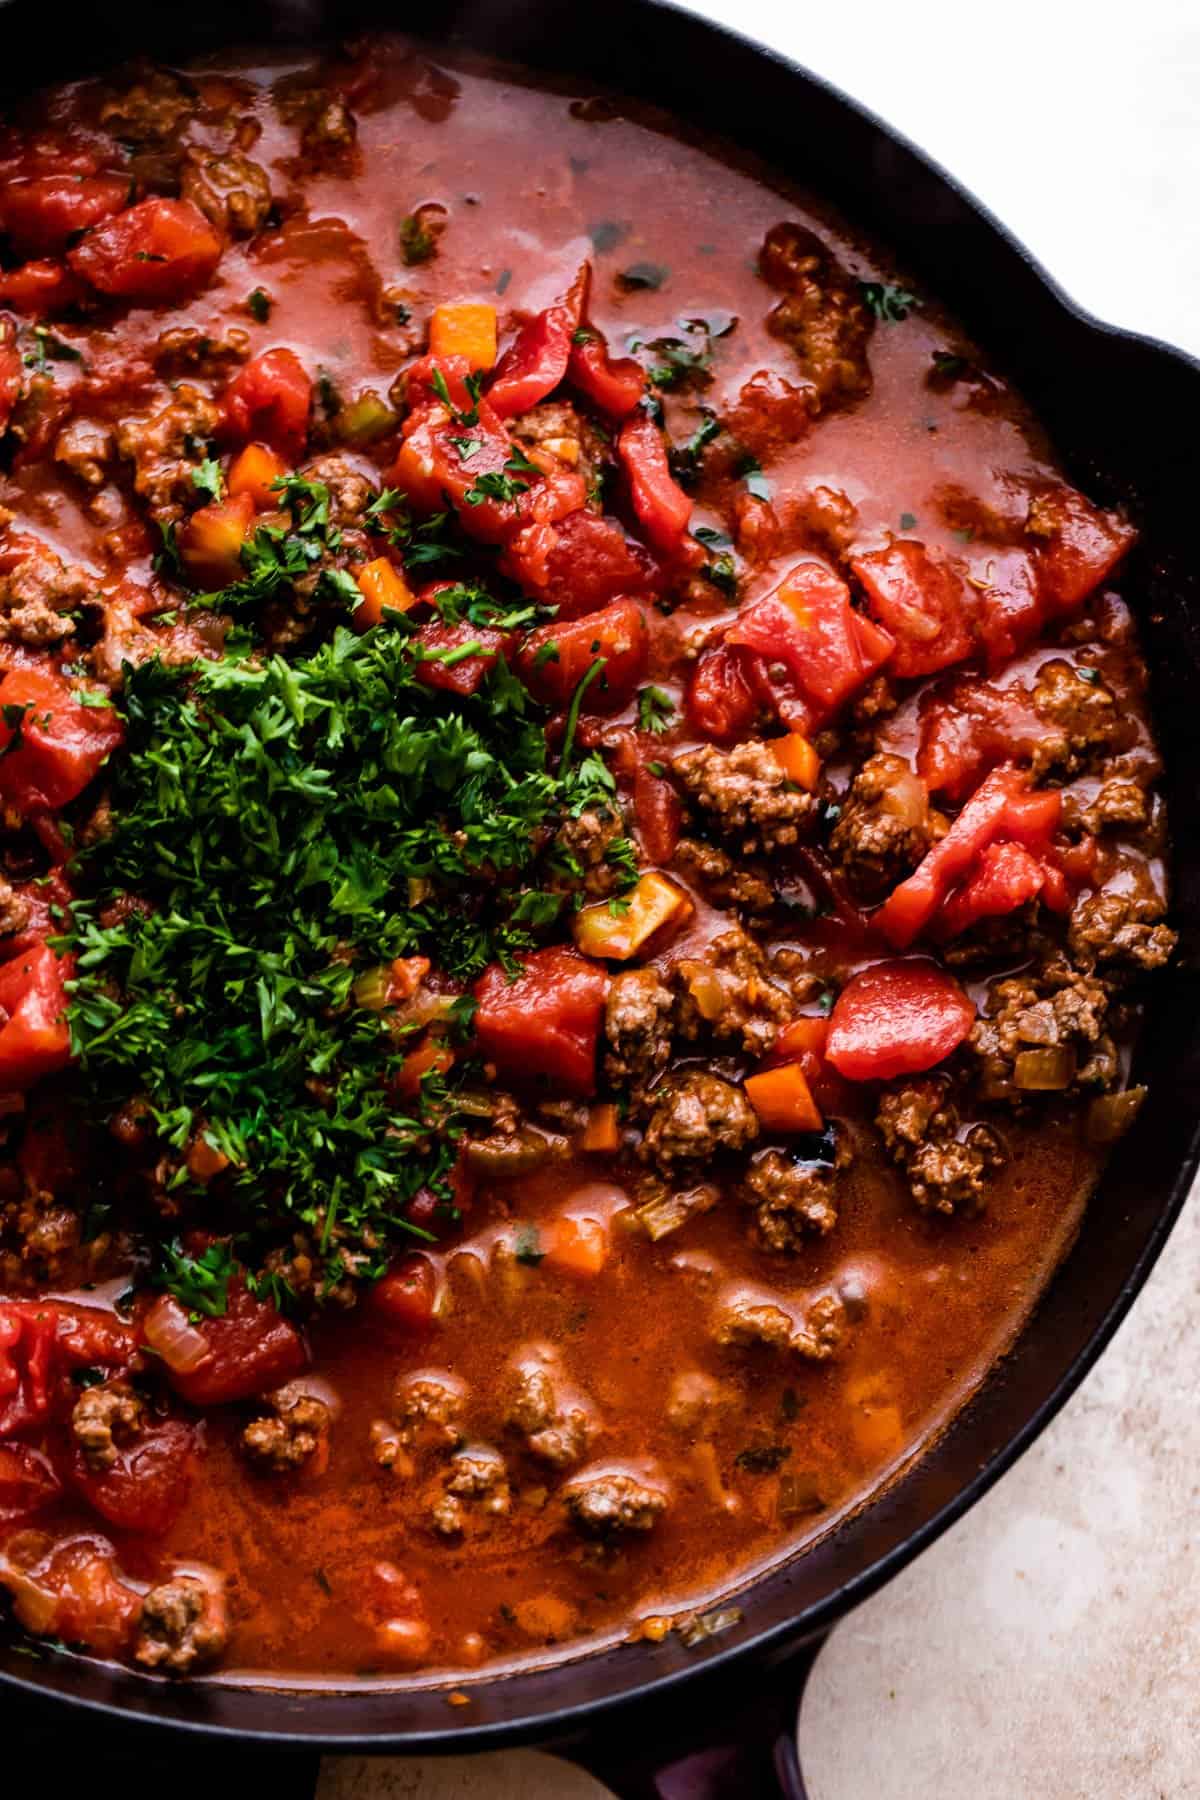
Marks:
<point>637,1026</point>
<point>793,1200</point>
<point>1122,932</point>
<point>293,1432</point>
<point>1055,1009</point>
<point>884,828</point>
<point>947,1168</point>
<point>696,1115</point>
<point>615,1502</point>
<point>184,1625</point>
<point>746,795</point>
<point>105,1420</point>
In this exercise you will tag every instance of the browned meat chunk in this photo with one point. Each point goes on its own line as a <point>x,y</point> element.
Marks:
<point>1120,929</point>
<point>330,133</point>
<point>637,1024</point>
<point>477,1476</point>
<point>1084,712</point>
<point>947,1167</point>
<point>184,1625</point>
<point>36,596</point>
<point>884,829</point>
<point>428,1409</point>
<point>745,1322</point>
<point>695,1116</point>
<point>794,1199</point>
<point>822,315</point>
<point>166,447</point>
<point>727,884</point>
<point>185,350</point>
<point>746,795</point>
<point>697,1401</point>
<point>43,1232</point>
<point>105,1420</point>
<point>584,855</point>
<point>730,994</point>
<point>85,447</point>
<point>230,190</point>
<point>1044,1034</point>
<point>14,909</point>
<point>150,111</point>
<point>295,1431</point>
<point>560,431</point>
<point>614,1501</point>
<point>350,490</point>
<point>555,1424</point>
<point>1120,805</point>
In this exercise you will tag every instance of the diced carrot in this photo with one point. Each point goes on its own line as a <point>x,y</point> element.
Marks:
<point>406,975</point>
<point>428,1054</point>
<point>381,585</point>
<point>465,328</point>
<point>204,1160</point>
<point>253,471</point>
<point>653,903</point>
<point>801,1036</point>
<point>602,1131</point>
<point>579,1246</point>
<point>798,759</point>
<point>782,1099</point>
<point>211,542</point>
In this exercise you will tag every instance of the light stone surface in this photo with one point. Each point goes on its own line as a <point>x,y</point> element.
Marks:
<point>1048,1648</point>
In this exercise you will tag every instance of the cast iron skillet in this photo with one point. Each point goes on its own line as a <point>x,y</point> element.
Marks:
<point>719,1719</point>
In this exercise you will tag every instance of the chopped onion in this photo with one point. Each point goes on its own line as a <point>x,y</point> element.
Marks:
<point>1045,1071</point>
<point>171,1334</point>
<point>658,1218</point>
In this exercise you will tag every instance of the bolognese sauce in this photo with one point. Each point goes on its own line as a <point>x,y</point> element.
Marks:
<point>580,839</point>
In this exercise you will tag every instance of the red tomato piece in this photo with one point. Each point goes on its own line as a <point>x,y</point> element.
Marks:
<point>810,628</point>
<point>897,1018</point>
<point>39,288</point>
<point>662,507</point>
<point>405,1295</point>
<point>720,702</point>
<point>536,362</point>
<point>970,728</point>
<point>27,1364</point>
<point>579,564</point>
<point>921,599</point>
<point>146,1488</point>
<point>657,814</point>
<point>546,1021</point>
<point>42,212</point>
<point>1080,548</point>
<point>28,1484</point>
<point>35,1039</point>
<point>252,1348</point>
<point>10,369</point>
<point>1010,610</point>
<point>1005,877</point>
<point>270,399</point>
<point>74,1595</point>
<point>1002,807</point>
<point>156,251</point>
<point>63,743</point>
<point>452,664</point>
<point>555,658</point>
<point>615,384</point>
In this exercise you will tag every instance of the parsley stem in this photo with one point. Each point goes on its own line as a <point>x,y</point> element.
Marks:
<point>585,682</point>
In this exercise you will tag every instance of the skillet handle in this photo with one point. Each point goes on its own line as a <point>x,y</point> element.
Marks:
<point>732,1750</point>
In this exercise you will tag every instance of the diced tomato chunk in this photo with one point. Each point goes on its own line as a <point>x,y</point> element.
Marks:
<point>210,544</point>
<point>536,362</point>
<point>1006,876</point>
<point>1010,613</point>
<point>63,743</point>
<point>897,1018</point>
<point>10,369</point>
<point>720,702</point>
<point>156,251</point>
<point>269,399</point>
<point>581,563</point>
<point>72,1593</point>
<point>42,212</point>
<point>1003,807</point>
<point>27,1364</point>
<point>146,1488</point>
<point>35,1038</point>
<point>251,1348</point>
<point>658,814</point>
<point>614,384</point>
<point>969,728</point>
<point>808,626</point>
<point>458,657</point>
<point>28,1483</point>
<point>555,658</point>
<point>921,599</point>
<point>662,507</point>
<point>1079,546</point>
<point>40,287</point>
<point>546,1021</point>
<point>404,1297</point>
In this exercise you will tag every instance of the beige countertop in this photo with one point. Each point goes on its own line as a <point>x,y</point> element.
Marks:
<point>1048,1647</point>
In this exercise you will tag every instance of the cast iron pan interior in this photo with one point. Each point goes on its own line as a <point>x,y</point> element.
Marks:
<point>1122,410</point>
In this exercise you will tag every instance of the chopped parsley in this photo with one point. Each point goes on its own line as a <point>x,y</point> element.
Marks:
<point>258,305</point>
<point>208,478</point>
<point>417,243</point>
<point>890,304</point>
<point>655,710</point>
